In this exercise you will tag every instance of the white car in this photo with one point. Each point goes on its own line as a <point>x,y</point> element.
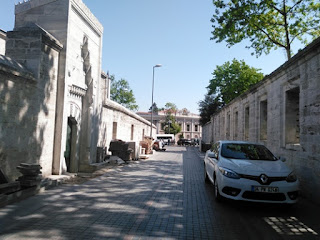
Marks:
<point>250,172</point>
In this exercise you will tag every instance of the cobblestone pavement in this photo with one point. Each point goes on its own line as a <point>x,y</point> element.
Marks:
<point>164,197</point>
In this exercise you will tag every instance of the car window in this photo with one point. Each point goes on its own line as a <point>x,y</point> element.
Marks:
<point>246,151</point>
<point>215,149</point>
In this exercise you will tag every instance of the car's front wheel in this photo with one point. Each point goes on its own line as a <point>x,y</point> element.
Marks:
<point>218,197</point>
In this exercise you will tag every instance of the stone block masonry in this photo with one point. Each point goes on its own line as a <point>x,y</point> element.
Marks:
<point>28,99</point>
<point>282,112</point>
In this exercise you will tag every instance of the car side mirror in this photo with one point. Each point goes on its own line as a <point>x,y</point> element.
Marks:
<point>283,159</point>
<point>212,155</point>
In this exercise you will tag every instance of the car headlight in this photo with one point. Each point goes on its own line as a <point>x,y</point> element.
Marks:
<point>229,173</point>
<point>292,177</point>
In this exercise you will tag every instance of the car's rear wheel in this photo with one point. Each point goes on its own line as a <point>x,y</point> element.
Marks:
<point>206,178</point>
<point>218,197</point>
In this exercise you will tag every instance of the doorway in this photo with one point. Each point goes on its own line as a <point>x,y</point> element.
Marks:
<point>71,146</point>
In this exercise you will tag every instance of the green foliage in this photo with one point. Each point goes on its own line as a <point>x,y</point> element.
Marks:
<point>154,107</point>
<point>171,108</point>
<point>232,79</point>
<point>122,94</point>
<point>174,126</point>
<point>268,24</point>
<point>208,107</point>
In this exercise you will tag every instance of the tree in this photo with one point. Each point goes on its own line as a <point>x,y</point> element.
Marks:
<point>208,107</point>
<point>171,108</point>
<point>268,24</point>
<point>154,107</point>
<point>171,126</point>
<point>122,94</point>
<point>232,79</point>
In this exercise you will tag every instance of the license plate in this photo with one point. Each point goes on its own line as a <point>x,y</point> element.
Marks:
<point>264,189</point>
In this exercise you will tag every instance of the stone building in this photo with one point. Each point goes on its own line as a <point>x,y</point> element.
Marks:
<point>54,98</point>
<point>3,37</point>
<point>282,112</point>
<point>189,122</point>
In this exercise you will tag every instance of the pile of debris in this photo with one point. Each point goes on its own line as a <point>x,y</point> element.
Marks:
<point>25,186</point>
<point>31,175</point>
<point>7,187</point>
<point>121,149</point>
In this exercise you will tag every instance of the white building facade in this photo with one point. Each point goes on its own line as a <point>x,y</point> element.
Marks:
<point>189,123</point>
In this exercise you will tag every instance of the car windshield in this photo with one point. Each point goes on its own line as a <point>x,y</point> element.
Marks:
<point>246,151</point>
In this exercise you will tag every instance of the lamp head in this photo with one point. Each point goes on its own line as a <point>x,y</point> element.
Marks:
<point>157,65</point>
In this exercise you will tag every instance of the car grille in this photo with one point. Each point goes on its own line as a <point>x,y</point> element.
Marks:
<point>264,196</point>
<point>257,178</point>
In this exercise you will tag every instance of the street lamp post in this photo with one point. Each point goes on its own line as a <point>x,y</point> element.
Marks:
<point>157,65</point>
<point>169,131</point>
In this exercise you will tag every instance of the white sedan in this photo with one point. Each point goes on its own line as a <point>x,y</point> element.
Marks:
<point>250,172</point>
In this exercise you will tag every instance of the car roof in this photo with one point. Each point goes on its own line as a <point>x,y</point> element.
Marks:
<point>238,142</point>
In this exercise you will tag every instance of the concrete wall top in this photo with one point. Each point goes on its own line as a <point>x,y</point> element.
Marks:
<point>116,106</point>
<point>11,66</point>
<point>88,15</point>
<point>24,39</point>
<point>25,6</point>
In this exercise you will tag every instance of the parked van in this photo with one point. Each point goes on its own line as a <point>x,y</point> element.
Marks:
<point>167,138</point>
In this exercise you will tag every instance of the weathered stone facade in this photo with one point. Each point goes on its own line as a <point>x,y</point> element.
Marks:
<point>121,123</point>
<point>72,23</point>
<point>28,99</point>
<point>282,112</point>
<point>3,37</point>
<point>55,108</point>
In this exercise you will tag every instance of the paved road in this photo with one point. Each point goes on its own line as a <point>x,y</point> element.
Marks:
<point>164,197</point>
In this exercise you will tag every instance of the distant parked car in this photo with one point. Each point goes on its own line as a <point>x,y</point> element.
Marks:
<point>249,171</point>
<point>184,142</point>
<point>194,141</point>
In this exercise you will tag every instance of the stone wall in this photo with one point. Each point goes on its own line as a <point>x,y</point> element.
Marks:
<point>207,133</point>
<point>117,122</point>
<point>78,102</point>
<point>28,99</point>
<point>3,36</point>
<point>54,101</point>
<point>282,112</point>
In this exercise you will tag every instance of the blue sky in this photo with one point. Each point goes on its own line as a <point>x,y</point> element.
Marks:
<point>139,34</point>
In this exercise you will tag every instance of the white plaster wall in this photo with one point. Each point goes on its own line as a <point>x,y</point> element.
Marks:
<point>113,112</point>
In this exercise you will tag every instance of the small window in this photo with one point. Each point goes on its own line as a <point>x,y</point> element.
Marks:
<point>246,123</point>
<point>132,131</point>
<point>228,126</point>
<point>196,128</point>
<point>188,127</point>
<point>236,121</point>
<point>263,120</point>
<point>292,118</point>
<point>114,130</point>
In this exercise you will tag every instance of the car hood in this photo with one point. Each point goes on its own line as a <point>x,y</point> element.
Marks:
<point>257,167</point>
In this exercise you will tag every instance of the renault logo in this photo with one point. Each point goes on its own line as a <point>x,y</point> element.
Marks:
<point>264,178</point>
